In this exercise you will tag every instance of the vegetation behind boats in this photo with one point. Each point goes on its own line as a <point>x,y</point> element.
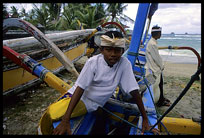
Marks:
<point>65,16</point>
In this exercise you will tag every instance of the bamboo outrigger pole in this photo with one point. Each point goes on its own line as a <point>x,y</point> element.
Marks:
<point>31,29</point>
<point>36,69</point>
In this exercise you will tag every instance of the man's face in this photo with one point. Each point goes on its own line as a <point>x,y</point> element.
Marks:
<point>112,54</point>
<point>159,35</point>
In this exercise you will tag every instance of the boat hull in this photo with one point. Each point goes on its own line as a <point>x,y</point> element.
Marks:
<point>17,79</point>
<point>180,126</point>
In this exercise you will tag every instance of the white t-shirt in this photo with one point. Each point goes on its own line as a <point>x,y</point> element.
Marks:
<point>99,81</point>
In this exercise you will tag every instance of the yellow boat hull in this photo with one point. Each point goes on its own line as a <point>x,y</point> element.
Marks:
<point>180,126</point>
<point>19,76</point>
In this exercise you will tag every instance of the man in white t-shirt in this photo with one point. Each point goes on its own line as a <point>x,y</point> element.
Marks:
<point>99,78</point>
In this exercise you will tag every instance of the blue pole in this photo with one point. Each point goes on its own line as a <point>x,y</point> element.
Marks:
<point>137,32</point>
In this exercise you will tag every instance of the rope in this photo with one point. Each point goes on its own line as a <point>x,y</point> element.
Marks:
<point>160,123</point>
<point>129,123</point>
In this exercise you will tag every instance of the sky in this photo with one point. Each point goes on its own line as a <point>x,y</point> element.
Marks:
<point>172,17</point>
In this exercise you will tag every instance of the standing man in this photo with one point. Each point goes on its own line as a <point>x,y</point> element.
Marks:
<point>155,65</point>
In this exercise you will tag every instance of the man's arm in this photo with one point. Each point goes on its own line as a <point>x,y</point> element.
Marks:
<point>145,125</point>
<point>64,126</point>
<point>138,99</point>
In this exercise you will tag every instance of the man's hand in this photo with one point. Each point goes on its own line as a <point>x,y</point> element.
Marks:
<point>62,128</point>
<point>146,127</point>
<point>138,99</point>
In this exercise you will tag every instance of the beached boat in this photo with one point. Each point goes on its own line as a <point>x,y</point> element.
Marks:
<point>70,42</point>
<point>121,114</point>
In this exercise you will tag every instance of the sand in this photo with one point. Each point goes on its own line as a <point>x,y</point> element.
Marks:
<point>179,70</point>
<point>22,115</point>
<point>176,77</point>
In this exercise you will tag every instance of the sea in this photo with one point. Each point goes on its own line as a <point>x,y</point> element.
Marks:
<point>180,56</point>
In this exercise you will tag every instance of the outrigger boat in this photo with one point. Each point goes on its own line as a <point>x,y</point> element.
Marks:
<point>70,43</point>
<point>119,112</point>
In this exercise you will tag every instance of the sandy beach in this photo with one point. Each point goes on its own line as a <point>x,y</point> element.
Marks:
<point>179,69</point>
<point>176,77</point>
<point>22,115</point>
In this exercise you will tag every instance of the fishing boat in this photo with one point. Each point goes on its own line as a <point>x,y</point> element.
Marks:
<point>70,43</point>
<point>120,113</point>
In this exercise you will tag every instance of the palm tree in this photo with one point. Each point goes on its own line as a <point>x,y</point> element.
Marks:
<point>87,18</point>
<point>23,14</point>
<point>68,19</point>
<point>91,15</point>
<point>88,14</point>
<point>100,12</point>
<point>31,17</point>
<point>41,15</point>
<point>14,12</point>
<point>115,9</point>
<point>54,11</point>
<point>52,16</point>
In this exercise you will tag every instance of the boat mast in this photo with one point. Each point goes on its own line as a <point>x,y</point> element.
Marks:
<point>140,21</point>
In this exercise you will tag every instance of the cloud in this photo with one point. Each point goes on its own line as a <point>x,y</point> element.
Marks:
<point>173,5</point>
<point>131,10</point>
<point>173,17</point>
<point>178,18</point>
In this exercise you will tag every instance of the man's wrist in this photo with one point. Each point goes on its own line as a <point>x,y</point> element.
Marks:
<point>65,119</point>
<point>144,117</point>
